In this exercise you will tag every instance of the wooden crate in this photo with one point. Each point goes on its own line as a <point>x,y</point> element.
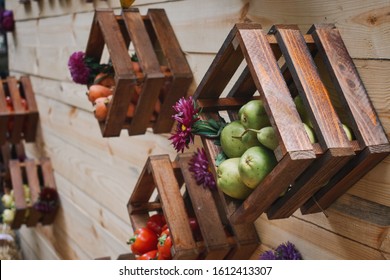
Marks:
<point>176,201</point>
<point>9,152</point>
<point>19,124</point>
<point>155,45</point>
<point>278,66</point>
<point>35,175</point>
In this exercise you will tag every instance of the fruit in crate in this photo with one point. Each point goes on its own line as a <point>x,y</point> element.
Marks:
<point>233,145</point>
<point>164,245</point>
<point>98,91</point>
<point>349,132</point>
<point>229,180</point>
<point>7,200</point>
<point>255,164</point>
<point>143,241</point>
<point>8,216</point>
<point>253,115</point>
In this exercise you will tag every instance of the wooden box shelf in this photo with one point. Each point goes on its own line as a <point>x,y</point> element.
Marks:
<point>34,175</point>
<point>279,65</point>
<point>177,195</point>
<point>18,110</point>
<point>155,46</point>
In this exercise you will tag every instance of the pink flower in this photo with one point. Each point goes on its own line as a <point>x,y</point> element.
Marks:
<point>7,20</point>
<point>200,168</point>
<point>78,68</point>
<point>186,116</point>
<point>48,200</point>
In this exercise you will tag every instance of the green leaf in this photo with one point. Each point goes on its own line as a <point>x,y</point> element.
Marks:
<point>220,158</point>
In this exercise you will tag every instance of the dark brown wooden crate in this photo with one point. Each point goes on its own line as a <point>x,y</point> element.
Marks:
<point>155,45</point>
<point>18,124</point>
<point>35,175</point>
<point>280,65</point>
<point>166,178</point>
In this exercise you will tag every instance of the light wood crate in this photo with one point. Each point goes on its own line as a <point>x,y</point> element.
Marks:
<point>176,200</point>
<point>155,45</point>
<point>279,65</point>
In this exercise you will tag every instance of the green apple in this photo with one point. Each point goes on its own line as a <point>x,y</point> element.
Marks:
<point>349,132</point>
<point>268,138</point>
<point>8,216</point>
<point>255,164</point>
<point>232,144</point>
<point>302,111</point>
<point>310,133</point>
<point>229,180</point>
<point>253,115</point>
<point>7,200</point>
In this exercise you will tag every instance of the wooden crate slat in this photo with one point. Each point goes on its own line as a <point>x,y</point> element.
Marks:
<point>343,180</point>
<point>276,96</point>
<point>3,116</point>
<point>124,74</point>
<point>18,113</point>
<point>175,214</point>
<point>95,44</point>
<point>364,120</point>
<point>177,63</point>
<point>20,201</point>
<point>316,176</point>
<point>31,119</point>
<point>150,67</point>
<point>206,212</point>
<point>226,61</point>
<point>313,92</point>
<point>34,186</point>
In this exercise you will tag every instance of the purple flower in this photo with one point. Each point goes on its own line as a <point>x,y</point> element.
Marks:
<point>47,201</point>
<point>268,255</point>
<point>78,68</point>
<point>7,20</point>
<point>186,116</point>
<point>200,168</point>
<point>285,251</point>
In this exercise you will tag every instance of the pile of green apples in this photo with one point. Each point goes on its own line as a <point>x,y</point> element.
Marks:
<point>249,143</point>
<point>8,201</point>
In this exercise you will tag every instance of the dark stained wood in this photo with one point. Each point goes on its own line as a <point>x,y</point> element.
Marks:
<point>364,120</point>
<point>206,212</point>
<point>17,186</point>
<point>145,33</point>
<point>177,205</point>
<point>312,91</point>
<point>34,186</point>
<point>32,116</point>
<point>19,124</point>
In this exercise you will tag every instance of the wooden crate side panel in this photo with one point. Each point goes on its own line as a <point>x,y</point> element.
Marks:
<point>18,113</point>
<point>34,186</point>
<point>274,93</point>
<point>206,212</point>
<point>3,116</point>
<point>32,116</point>
<point>175,214</point>
<point>17,186</point>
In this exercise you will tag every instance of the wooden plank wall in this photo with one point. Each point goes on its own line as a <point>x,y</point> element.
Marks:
<point>95,176</point>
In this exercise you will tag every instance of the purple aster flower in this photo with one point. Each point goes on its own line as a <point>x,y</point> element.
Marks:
<point>7,20</point>
<point>287,251</point>
<point>79,70</point>
<point>47,201</point>
<point>200,168</point>
<point>186,116</point>
<point>267,255</point>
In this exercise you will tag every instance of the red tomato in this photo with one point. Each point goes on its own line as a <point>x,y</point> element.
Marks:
<point>143,241</point>
<point>151,255</point>
<point>156,222</point>
<point>164,246</point>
